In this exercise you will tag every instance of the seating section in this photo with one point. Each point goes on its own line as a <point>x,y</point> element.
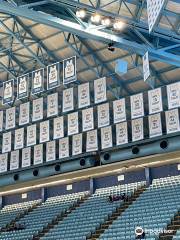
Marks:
<point>152,211</point>
<point>177,236</point>
<point>94,211</point>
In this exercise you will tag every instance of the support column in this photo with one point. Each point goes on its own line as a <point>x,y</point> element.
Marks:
<point>43,194</point>
<point>148,176</point>
<point>92,185</point>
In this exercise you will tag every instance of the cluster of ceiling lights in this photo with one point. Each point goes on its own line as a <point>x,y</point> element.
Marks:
<point>98,19</point>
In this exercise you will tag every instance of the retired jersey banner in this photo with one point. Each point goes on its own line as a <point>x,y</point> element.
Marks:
<point>58,127</point>
<point>37,113</point>
<point>137,106</point>
<point>53,75</point>
<point>44,131</point>
<point>50,151</point>
<point>19,139</point>
<point>172,121</point>
<point>103,115</point>
<point>68,100</point>
<point>24,113</point>
<point>69,70</point>
<point>119,110</point>
<point>6,143</point>
<point>37,81</point>
<point>10,118</point>
<point>91,141</point>
<point>3,162</point>
<point>73,123</point>
<point>100,90</point>
<point>14,160</point>
<point>106,137</point>
<point>64,147</point>
<point>155,126</point>
<point>31,135</point>
<point>38,154</point>
<point>52,105</point>
<point>121,133</point>
<point>26,157</point>
<point>1,120</point>
<point>23,86</point>
<point>77,144</point>
<point>137,129</point>
<point>173,94</point>
<point>155,100</point>
<point>83,95</point>
<point>87,119</point>
<point>8,91</point>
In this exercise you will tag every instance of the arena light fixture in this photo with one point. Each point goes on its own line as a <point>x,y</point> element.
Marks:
<point>96,18</point>
<point>81,13</point>
<point>106,22</point>
<point>118,25</point>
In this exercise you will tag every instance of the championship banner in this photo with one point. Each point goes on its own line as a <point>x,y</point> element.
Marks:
<point>3,162</point>
<point>50,151</point>
<point>121,133</point>
<point>23,86</point>
<point>24,113</point>
<point>87,119</point>
<point>37,113</point>
<point>103,115</point>
<point>44,131</point>
<point>52,105</point>
<point>64,147</point>
<point>69,70</point>
<point>106,137</point>
<point>37,81</point>
<point>100,90</point>
<point>119,110</point>
<point>14,160</point>
<point>73,123</point>
<point>6,143</point>
<point>10,118</point>
<point>58,127</point>
<point>173,94</point>
<point>26,157</point>
<point>146,70</point>
<point>155,126</point>
<point>38,154</point>
<point>137,129</point>
<point>172,121</point>
<point>91,141</point>
<point>77,144</point>
<point>155,100</point>
<point>68,100</point>
<point>83,95</point>
<point>8,91</point>
<point>1,121</point>
<point>53,76</point>
<point>31,135</point>
<point>137,106</point>
<point>19,139</point>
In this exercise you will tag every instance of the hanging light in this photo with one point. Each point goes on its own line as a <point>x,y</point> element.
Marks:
<point>81,13</point>
<point>118,25</point>
<point>106,21</point>
<point>96,18</point>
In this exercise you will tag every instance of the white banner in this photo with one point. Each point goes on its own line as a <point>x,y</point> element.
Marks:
<point>68,100</point>
<point>155,126</point>
<point>31,135</point>
<point>10,118</point>
<point>22,86</point>
<point>52,105</point>
<point>24,113</point>
<point>91,141</point>
<point>137,129</point>
<point>173,94</point>
<point>38,154</point>
<point>6,143</point>
<point>155,100</point>
<point>83,95</point>
<point>146,70</point>
<point>69,70</point>
<point>14,160</point>
<point>172,121</point>
<point>137,106</point>
<point>63,147</point>
<point>37,81</point>
<point>26,157</point>
<point>50,151</point>
<point>103,115</point>
<point>8,91</point>
<point>121,133</point>
<point>58,127</point>
<point>44,131</point>
<point>37,110</point>
<point>100,90</point>
<point>73,123</point>
<point>119,110</point>
<point>19,139</point>
<point>3,162</point>
<point>1,121</point>
<point>106,137</point>
<point>77,144</point>
<point>87,119</point>
<point>53,75</point>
